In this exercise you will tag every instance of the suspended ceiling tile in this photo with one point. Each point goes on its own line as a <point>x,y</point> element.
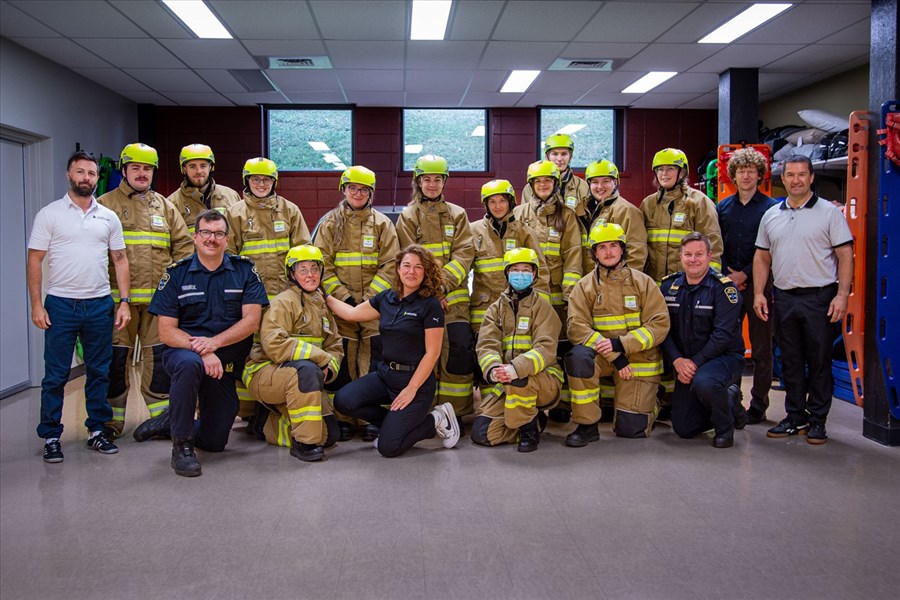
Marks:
<point>574,82</point>
<point>63,51</point>
<point>700,22</point>
<point>432,100</point>
<point>620,50</point>
<point>816,58</point>
<point>254,98</point>
<point>858,33</point>
<point>643,21</point>
<point>532,98</point>
<point>114,79</point>
<point>807,23</point>
<point>690,82</point>
<point>371,80</point>
<point>371,55</point>
<point>363,98</point>
<point>437,81</point>
<point>82,18</point>
<point>266,19</point>
<point>520,55</point>
<point>199,99</point>
<point>605,97</point>
<point>670,57</point>
<point>443,55</point>
<point>316,97</point>
<point>300,80</point>
<point>488,81</point>
<point>663,100</point>
<point>148,98</point>
<point>706,101</point>
<point>776,82</point>
<point>220,80</point>
<point>743,56</point>
<point>154,18</point>
<point>124,53</point>
<point>361,19</point>
<point>15,23</point>
<point>534,21</point>
<point>170,80</point>
<point>473,20</point>
<point>211,54</point>
<point>285,47</point>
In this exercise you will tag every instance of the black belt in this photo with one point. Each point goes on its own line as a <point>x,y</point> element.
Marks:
<point>804,291</point>
<point>395,366</point>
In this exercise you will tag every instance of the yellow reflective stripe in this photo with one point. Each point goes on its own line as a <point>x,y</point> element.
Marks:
<point>716,265</point>
<point>537,360</point>
<point>556,372</point>
<point>254,247</point>
<point>156,408</point>
<point>564,394</point>
<point>671,236</point>
<point>284,431</point>
<point>138,295</point>
<point>515,400</point>
<point>307,413</point>
<point>355,259</point>
<point>585,396</point>
<point>628,321</point>
<point>331,284</point>
<point>585,242</point>
<point>668,384</point>
<point>146,238</point>
<point>118,413</point>
<point>476,315</point>
<point>454,389</point>
<point>593,339</point>
<point>439,249</point>
<point>457,296</point>
<point>645,336</point>
<point>488,265</point>
<point>379,284</point>
<point>250,371</point>
<point>607,390</point>
<point>489,359</point>
<point>305,346</point>
<point>550,248</point>
<point>456,269</point>
<point>543,295</point>
<point>557,298</point>
<point>570,278</point>
<point>647,369</point>
<point>516,342</point>
<point>334,364</point>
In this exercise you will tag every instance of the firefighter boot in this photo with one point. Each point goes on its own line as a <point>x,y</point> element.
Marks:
<point>184,460</point>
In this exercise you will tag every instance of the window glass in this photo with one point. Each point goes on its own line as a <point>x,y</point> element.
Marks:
<point>310,139</point>
<point>592,130</point>
<point>456,134</point>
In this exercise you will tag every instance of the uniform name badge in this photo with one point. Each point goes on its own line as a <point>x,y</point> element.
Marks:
<point>678,218</point>
<point>523,323</point>
<point>449,230</point>
<point>326,326</point>
<point>630,301</point>
<point>368,241</point>
<point>553,232</point>
<point>279,226</point>
<point>157,221</point>
<point>510,244</point>
<point>571,201</point>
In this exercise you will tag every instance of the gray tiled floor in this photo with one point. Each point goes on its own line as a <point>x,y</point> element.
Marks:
<point>657,518</point>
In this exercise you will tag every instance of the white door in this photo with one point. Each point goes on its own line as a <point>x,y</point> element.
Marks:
<point>15,318</point>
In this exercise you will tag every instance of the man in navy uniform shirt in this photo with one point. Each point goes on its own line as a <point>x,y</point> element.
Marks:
<point>209,305</point>
<point>704,346</point>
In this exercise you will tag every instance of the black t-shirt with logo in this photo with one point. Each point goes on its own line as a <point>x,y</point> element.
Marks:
<point>403,323</point>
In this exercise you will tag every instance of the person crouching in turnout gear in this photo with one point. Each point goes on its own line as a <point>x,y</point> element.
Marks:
<point>298,351</point>
<point>617,320</point>
<point>517,354</point>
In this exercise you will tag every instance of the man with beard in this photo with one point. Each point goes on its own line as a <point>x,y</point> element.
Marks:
<point>199,191</point>
<point>77,232</point>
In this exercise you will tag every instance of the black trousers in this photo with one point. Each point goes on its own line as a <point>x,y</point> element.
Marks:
<point>400,430</point>
<point>704,402</point>
<point>806,336</point>
<point>761,347</point>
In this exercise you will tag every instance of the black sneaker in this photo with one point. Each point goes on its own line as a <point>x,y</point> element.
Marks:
<point>529,437</point>
<point>583,435</point>
<point>816,434</point>
<point>53,452</point>
<point>755,416</point>
<point>101,444</point>
<point>787,428</point>
<point>154,428</point>
<point>184,459</point>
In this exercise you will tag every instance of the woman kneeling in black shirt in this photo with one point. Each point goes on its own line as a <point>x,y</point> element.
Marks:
<point>411,325</point>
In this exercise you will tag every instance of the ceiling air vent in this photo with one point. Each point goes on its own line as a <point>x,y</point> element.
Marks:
<point>582,64</point>
<point>253,80</point>
<point>299,62</point>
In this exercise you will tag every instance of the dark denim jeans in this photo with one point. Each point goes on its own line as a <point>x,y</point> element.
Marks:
<point>92,321</point>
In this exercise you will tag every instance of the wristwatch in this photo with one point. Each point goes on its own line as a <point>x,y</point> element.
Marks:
<point>126,300</point>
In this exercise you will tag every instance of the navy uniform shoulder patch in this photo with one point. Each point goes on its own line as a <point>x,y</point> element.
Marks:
<point>731,293</point>
<point>163,281</point>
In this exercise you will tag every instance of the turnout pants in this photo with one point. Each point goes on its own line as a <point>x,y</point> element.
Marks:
<point>455,370</point>
<point>507,407</point>
<point>704,403</point>
<point>400,429</point>
<point>295,395</point>
<point>635,399</point>
<point>154,380</point>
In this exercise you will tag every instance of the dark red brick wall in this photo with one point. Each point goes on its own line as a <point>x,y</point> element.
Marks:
<point>235,135</point>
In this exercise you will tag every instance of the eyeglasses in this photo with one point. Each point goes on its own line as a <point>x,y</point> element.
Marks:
<point>311,270</point>
<point>260,180</point>
<point>362,191</point>
<point>206,234</point>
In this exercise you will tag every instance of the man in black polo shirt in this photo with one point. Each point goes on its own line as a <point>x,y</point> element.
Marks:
<point>209,305</point>
<point>739,217</point>
<point>808,245</point>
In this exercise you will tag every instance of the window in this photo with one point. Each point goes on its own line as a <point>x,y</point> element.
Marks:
<point>456,134</point>
<point>592,129</point>
<point>301,139</point>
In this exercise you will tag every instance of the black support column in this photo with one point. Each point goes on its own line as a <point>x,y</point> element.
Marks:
<point>739,106</point>
<point>878,424</point>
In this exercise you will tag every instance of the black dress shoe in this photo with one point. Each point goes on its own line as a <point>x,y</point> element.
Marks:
<point>370,433</point>
<point>307,452</point>
<point>560,415</point>
<point>735,396</point>
<point>583,435</point>
<point>725,440</point>
<point>153,428</point>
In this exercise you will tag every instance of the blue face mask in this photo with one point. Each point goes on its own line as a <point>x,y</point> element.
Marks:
<point>520,280</point>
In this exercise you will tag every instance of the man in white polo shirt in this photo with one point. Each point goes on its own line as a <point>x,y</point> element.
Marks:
<point>808,245</point>
<point>78,234</point>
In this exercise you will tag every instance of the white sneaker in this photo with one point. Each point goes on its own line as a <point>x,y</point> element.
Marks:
<point>445,424</point>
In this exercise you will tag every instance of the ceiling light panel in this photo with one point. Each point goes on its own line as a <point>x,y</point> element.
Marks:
<point>199,19</point>
<point>744,23</point>
<point>429,19</point>
<point>649,81</point>
<point>519,81</point>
